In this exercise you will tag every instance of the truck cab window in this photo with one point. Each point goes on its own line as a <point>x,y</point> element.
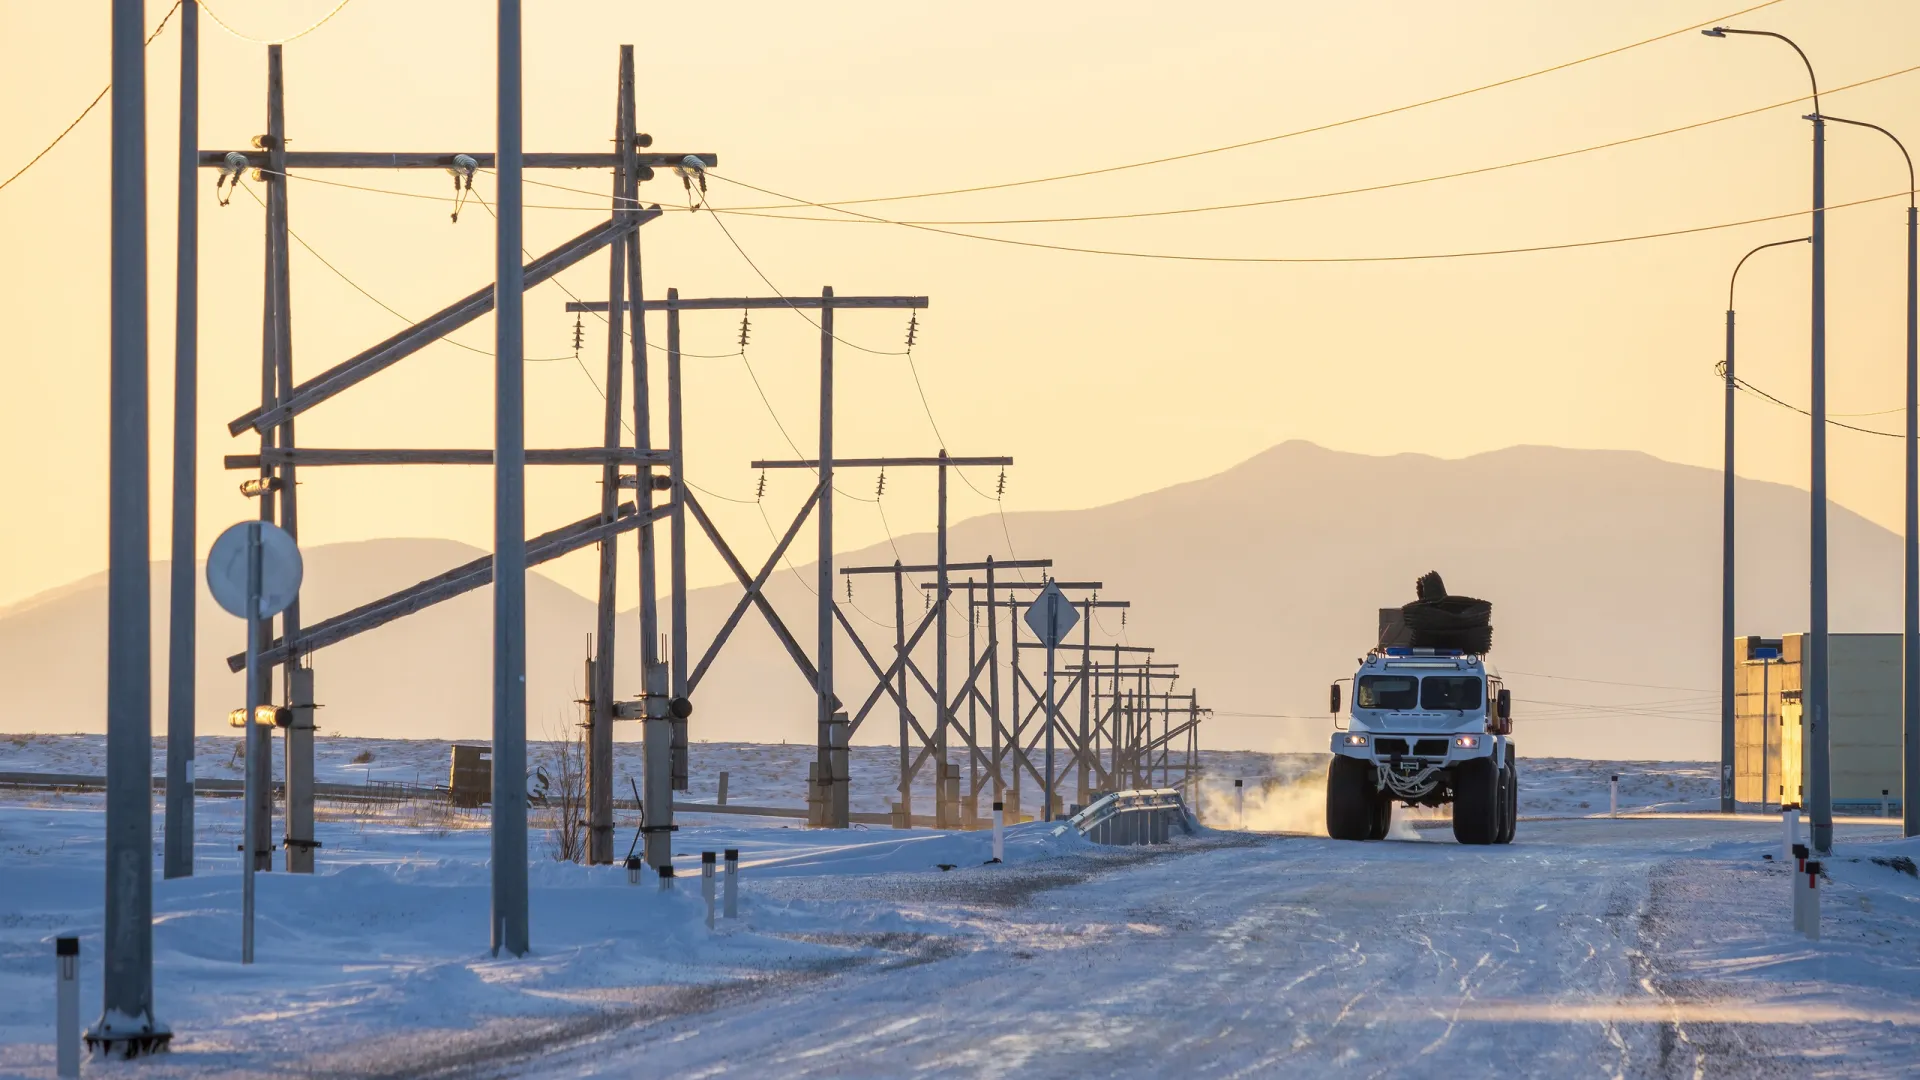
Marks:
<point>1450,692</point>
<point>1386,692</point>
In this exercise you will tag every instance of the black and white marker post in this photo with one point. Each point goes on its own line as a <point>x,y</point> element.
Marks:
<point>999,831</point>
<point>254,571</point>
<point>730,901</point>
<point>66,973</point>
<point>707,867</point>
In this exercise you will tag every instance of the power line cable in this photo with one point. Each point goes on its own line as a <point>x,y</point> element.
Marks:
<point>1606,682</point>
<point>1509,81</point>
<point>783,296</point>
<point>97,98</point>
<point>1290,259</point>
<point>222,24</point>
<point>1756,391</point>
<point>388,308</point>
<point>756,211</point>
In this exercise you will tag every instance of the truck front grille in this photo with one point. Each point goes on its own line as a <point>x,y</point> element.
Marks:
<point>1389,747</point>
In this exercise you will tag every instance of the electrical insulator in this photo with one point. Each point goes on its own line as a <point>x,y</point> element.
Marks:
<point>913,328</point>
<point>1000,488</point>
<point>743,330</point>
<point>579,335</point>
<point>760,492</point>
<point>881,487</point>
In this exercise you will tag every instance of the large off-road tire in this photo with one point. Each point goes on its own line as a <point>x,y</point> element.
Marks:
<point>1505,831</point>
<point>1350,799</point>
<point>1382,817</point>
<point>1513,799</point>
<point>1476,801</point>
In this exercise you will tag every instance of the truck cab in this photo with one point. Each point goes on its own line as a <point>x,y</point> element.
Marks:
<point>1426,727</point>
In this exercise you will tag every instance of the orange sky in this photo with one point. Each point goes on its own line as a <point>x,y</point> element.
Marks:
<point>1104,376</point>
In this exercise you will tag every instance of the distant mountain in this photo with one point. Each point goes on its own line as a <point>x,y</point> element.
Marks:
<point>1262,581</point>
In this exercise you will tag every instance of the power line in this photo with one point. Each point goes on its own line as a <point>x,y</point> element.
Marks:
<point>1324,259</point>
<point>755,211</point>
<point>1756,391</point>
<point>388,308</point>
<point>222,24</point>
<point>1301,131</point>
<point>97,98</point>
<point>783,296</point>
<point>1606,682</point>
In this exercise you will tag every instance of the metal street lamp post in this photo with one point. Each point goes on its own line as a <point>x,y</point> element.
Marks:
<point>1815,695</point>
<point>1910,584</point>
<point>1726,547</point>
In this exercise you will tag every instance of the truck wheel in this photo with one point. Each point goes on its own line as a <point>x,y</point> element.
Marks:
<point>1382,818</point>
<point>1476,801</point>
<point>1350,799</point>
<point>1510,804</point>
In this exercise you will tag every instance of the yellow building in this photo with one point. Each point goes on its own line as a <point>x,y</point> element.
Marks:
<point>1769,743</point>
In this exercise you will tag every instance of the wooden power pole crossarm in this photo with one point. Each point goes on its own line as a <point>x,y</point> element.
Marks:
<point>315,456</point>
<point>378,159</point>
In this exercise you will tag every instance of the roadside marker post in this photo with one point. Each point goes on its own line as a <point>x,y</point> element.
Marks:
<point>730,904</point>
<point>1790,826</point>
<point>1799,886</point>
<point>66,952</point>
<point>1613,795</point>
<point>1239,804</point>
<point>666,878</point>
<point>1885,810</point>
<point>707,867</point>
<point>999,831</point>
<point>633,869</point>
<point>1811,904</point>
<point>254,571</point>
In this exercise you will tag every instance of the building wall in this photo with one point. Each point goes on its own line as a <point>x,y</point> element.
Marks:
<point>1865,741</point>
<point>1866,716</point>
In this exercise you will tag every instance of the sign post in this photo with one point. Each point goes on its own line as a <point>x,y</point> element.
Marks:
<point>1050,616</point>
<point>254,572</point>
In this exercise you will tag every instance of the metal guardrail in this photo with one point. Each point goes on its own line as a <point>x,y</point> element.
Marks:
<point>1145,816</point>
<point>376,791</point>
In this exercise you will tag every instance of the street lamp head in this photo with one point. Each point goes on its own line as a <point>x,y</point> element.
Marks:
<point>1718,32</point>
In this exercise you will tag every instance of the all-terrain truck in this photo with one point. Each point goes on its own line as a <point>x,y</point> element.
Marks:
<point>1429,725</point>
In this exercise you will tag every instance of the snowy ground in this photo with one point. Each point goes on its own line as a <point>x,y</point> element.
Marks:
<point>764,774</point>
<point>1657,944</point>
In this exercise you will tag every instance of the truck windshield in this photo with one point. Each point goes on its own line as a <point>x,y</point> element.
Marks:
<point>1450,692</point>
<point>1387,692</point>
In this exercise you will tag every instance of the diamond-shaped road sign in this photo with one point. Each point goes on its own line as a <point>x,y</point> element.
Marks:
<point>1051,616</point>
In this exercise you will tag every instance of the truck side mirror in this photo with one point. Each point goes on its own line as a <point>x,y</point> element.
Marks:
<point>1334,705</point>
<point>1506,704</point>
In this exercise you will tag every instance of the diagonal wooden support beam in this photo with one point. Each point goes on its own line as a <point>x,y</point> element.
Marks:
<point>893,670</point>
<point>753,589</point>
<point>885,677</point>
<point>458,581</point>
<point>766,608</point>
<point>411,340</point>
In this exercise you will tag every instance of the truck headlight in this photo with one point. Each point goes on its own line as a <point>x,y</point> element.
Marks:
<point>1467,742</point>
<point>1356,740</point>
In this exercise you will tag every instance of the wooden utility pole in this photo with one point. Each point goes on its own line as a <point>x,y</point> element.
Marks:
<point>282,399</point>
<point>667,697</point>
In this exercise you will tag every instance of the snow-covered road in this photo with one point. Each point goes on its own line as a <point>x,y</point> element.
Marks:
<point>1657,944</point>
<point>1590,948</point>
